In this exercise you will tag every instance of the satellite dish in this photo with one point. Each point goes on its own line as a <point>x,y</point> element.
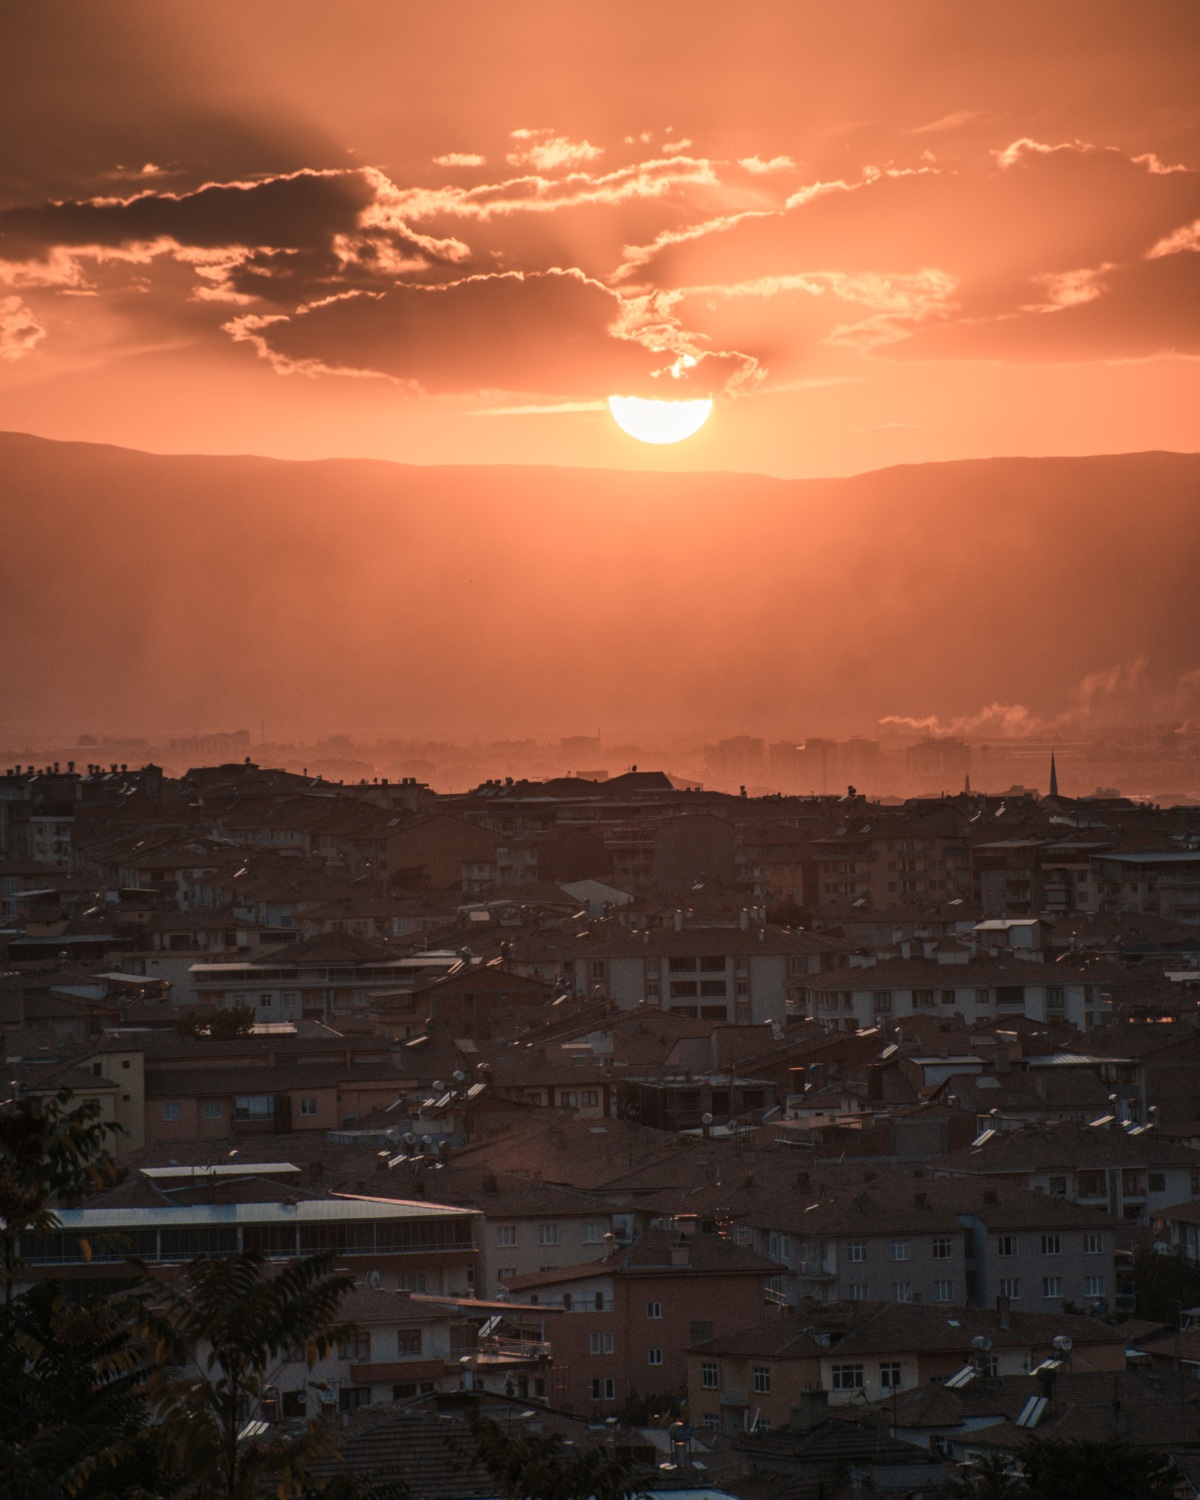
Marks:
<point>374,1280</point>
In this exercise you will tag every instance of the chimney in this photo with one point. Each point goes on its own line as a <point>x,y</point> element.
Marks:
<point>812,1411</point>
<point>681,1255</point>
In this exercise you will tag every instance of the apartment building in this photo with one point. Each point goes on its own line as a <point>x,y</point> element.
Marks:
<point>633,1315</point>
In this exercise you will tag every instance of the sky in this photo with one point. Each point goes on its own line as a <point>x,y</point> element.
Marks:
<point>872,233</point>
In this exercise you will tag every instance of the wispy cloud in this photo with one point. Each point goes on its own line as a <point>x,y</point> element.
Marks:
<point>760,166</point>
<point>953,121</point>
<point>547,152</point>
<point>19,329</point>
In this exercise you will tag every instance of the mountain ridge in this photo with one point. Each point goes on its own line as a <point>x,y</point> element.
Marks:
<point>141,589</point>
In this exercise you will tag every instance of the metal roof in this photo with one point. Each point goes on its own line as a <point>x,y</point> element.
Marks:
<point>308,1211</point>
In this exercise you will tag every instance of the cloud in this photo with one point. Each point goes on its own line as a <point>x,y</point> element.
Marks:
<point>1041,257</point>
<point>953,121</point>
<point>547,152</point>
<point>553,333</point>
<point>294,211</point>
<point>19,329</point>
<point>460,159</point>
<point>760,167</point>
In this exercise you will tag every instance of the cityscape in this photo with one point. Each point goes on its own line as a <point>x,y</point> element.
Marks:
<point>599,751</point>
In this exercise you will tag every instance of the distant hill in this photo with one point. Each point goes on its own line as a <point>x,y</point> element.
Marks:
<point>194,591</point>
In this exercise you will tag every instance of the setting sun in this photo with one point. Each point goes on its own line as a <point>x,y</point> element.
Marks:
<point>659,421</point>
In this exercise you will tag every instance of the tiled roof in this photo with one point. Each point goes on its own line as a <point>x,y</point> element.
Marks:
<point>1066,1145</point>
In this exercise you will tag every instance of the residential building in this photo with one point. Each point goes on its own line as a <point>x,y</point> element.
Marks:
<point>634,1314</point>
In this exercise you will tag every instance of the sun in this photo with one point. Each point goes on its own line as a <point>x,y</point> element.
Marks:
<point>659,421</point>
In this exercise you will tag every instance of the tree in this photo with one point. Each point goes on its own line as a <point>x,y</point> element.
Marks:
<point>218,1336</point>
<point>1162,1284</point>
<point>1069,1469</point>
<point>535,1467</point>
<point>73,1421</point>
<point>1072,1470</point>
<point>49,1149</point>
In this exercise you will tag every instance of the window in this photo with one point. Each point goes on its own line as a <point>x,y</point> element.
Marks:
<point>1157,1182</point>
<point>308,1105</point>
<point>711,1421</point>
<point>943,1291</point>
<point>1058,1187</point>
<point>654,1309</point>
<point>1006,1244</point>
<point>1051,1286</point>
<point>654,1356</point>
<point>1010,1287</point>
<point>762,1380</point>
<point>898,1249</point>
<point>506,1234</point>
<point>683,989</point>
<point>708,1374</point>
<point>858,1291</point>
<point>943,1247</point>
<point>357,1346</point>
<point>889,1376</point>
<point>547,1234</point>
<point>591,1098</point>
<point>569,1099</point>
<point>604,1390</point>
<point>847,1377</point>
<point>901,1291</point>
<point>600,1343</point>
<point>505,1273</point>
<point>408,1341</point>
<point>1131,1182</point>
<point>593,1233</point>
<point>1093,1286</point>
<point>213,1109</point>
<point>856,1250</point>
<point>1051,1244</point>
<point>1091,1185</point>
<point>254,1107</point>
<point>1093,1242</point>
<point>172,1112</point>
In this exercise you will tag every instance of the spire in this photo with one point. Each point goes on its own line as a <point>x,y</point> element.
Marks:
<point>1053,776</point>
<point>967,788</point>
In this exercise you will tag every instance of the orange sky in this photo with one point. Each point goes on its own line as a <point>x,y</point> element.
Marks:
<point>884,233</point>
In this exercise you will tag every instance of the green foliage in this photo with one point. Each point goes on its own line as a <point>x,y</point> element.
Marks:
<point>217,1337</point>
<point>1059,1469</point>
<point>1162,1284</point>
<point>220,1022</point>
<point>535,1467</point>
<point>48,1149</point>
<point>73,1419</point>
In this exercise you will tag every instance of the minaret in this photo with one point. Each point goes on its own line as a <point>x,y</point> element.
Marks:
<point>1053,776</point>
